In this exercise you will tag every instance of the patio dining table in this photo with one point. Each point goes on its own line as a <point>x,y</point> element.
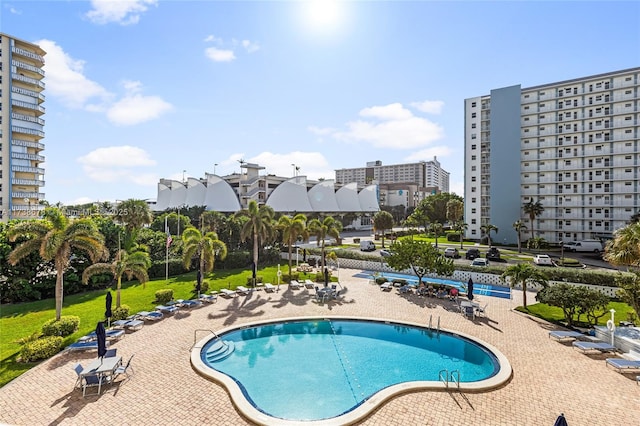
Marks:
<point>103,368</point>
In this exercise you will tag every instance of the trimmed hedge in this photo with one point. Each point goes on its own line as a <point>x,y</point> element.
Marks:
<point>164,296</point>
<point>250,280</point>
<point>43,348</point>
<point>66,326</point>
<point>120,313</point>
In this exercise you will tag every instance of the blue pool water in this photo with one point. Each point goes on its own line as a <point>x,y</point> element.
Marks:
<point>478,288</point>
<point>313,370</point>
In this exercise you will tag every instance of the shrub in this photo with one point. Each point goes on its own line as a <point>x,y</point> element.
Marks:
<point>66,326</point>
<point>204,287</point>
<point>41,349</point>
<point>120,313</point>
<point>381,280</point>
<point>286,278</point>
<point>250,280</point>
<point>399,281</point>
<point>164,295</point>
<point>452,236</point>
<point>158,268</point>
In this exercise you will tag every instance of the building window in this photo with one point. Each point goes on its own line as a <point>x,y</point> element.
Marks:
<point>473,125</point>
<point>473,104</point>
<point>473,146</point>
<point>473,135</point>
<point>473,115</point>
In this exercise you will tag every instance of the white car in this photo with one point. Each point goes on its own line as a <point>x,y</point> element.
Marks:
<point>543,260</point>
<point>480,262</point>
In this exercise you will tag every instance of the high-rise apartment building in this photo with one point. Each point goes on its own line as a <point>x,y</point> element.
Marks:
<point>572,145</point>
<point>21,128</point>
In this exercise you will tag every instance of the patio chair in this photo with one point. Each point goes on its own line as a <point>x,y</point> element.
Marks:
<point>90,381</point>
<point>469,312</point>
<point>564,335</point>
<point>134,325</point>
<point>124,369</point>
<point>620,364</point>
<point>585,347</point>
<point>189,303</point>
<point>269,288</point>
<point>482,310</point>
<point>78,369</point>
<point>308,283</point>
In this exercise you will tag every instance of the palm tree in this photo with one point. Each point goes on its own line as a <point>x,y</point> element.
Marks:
<point>533,209</point>
<point>133,214</point>
<point>329,227</point>
<point>460,226</point>
<point>624,249</point>
<point>259,227</point>
<point>487,230</point>
<point>519,227</point>
<point>134,264</point>
<point>381,222</point>
<point>53,237</point>
<point>523,274</point>
<point>436,229</point>
<point>206,247</point>
<point>292,228</point>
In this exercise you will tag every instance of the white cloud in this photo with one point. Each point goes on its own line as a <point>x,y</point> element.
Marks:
<point>118,164</point>
<point>428,154</point>
<point>212,38</point>
<point>135,108</point>
<point>320,131</point>
<point>429,107</point>
<point>250,46</point>
<point>123,12</point>
<point>387,126</point>
<point>219,55</point>
<point>65,80</point>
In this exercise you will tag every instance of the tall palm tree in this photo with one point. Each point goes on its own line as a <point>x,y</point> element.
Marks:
<point>533,209</point>
<point>487,228</point>
<point>205,247</point>
<point>259,227</point>
<point>53,237</point>
<point>624,249</point>
<point>460,226</point>
<point>329,227</point>
<point>133,214</point>
<point>381,222</point>
<point>523,274</point>
<point>134,264</point>
<point>435,228</point>
<point>292,228</point>
<point>519,227</point>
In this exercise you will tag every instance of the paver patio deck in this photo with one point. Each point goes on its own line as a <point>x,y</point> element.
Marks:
<point>549,377</point>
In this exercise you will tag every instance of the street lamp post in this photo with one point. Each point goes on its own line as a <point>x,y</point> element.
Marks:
<point>214,168</point>
<point>183,172</point>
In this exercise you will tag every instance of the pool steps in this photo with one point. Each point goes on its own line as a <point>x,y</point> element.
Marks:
<point>219,350</point>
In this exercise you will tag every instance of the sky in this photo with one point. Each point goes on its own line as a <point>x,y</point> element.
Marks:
<point>138,90</point>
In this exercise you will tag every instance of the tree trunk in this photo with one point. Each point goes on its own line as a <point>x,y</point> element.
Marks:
<point>59,292</point>
<point>118,291</point>
<point>524,294</point>
<point>290,254</point>
<point>255,260</point>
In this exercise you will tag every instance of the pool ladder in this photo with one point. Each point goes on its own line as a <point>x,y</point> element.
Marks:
<point>447,377</point>
<point>431,325</point>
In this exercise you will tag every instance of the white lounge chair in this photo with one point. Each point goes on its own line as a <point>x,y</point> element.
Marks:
<point>387,286</point>
<point>242,290</point>
<point>167,309</point>
<point>309,284</point>
<point>564,335</point>
<point>228,293</point>
<point>269,288</point>
<point>294,284</point>
<point>209,298</point>
<point>585,347</point>
<point>620,364</point>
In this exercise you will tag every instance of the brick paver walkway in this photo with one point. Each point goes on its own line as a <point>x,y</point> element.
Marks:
<point>548,377</point>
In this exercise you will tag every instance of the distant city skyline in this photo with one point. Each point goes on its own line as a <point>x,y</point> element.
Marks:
<point>148,89</point>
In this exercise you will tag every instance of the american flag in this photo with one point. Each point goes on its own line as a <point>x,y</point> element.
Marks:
<point>169,239</point>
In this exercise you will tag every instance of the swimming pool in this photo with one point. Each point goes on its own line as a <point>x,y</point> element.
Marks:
<point>336,370</point>
<point>478,288</point>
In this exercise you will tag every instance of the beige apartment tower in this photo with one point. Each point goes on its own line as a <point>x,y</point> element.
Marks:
<point>21,128</point>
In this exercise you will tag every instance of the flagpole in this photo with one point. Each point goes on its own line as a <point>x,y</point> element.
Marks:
<point>166,260</point>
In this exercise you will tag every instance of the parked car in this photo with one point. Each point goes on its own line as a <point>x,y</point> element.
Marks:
<point>478,261</point>
<point>493,254</point>
<point>543,260</point>
<point>472,253</point>
<point>385,253</point>
<point>451,252</point>
<point>593,246</point>
<point>367,245</point>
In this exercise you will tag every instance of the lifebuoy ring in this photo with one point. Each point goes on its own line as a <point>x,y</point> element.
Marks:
<point>611,326</point>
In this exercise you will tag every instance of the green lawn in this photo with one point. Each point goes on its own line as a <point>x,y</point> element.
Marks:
<point>554,314</point>
<point>20,320</point>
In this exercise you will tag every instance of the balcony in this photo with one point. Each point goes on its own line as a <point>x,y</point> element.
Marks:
<point>28,80</point>
<point>27,118</point>
<point>27,67</point>
<point>28,144</point>
<point>31,195</point>
<point>27,105</point>
<point>27,156</point>
<point>28,182</point>
<point>27,169</point>
<point>26,131</point>
<point>27,92</point>
<point>27,54</point>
